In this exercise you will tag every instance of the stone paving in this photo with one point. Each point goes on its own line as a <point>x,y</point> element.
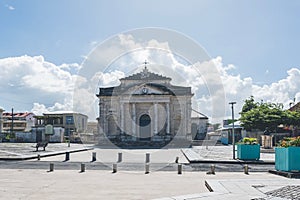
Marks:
<point>30,179</point>
<point>21,151</point>
<point>288,192</point>
<point>220,153</point>
<point>71,184</point>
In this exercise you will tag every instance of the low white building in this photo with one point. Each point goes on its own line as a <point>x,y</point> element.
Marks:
<point>199,125</point>
<point>18,122</point>
<point>72,124</point>
<point>1,119</point>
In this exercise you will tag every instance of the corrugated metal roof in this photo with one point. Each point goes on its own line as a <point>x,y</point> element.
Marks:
<point>17,114</point>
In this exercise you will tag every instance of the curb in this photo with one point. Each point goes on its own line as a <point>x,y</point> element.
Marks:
<point>259,162</point>
<point>30,157</point>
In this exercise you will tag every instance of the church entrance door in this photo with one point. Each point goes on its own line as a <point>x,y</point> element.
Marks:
<point>145,127</point>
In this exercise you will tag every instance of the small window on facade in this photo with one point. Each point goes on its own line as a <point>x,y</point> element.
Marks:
<point>69,120</point>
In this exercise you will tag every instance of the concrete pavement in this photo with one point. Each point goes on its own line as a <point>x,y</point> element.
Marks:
<point>70,184</point>
<point>30,179</point>
<point>25,151</point>
<point>222,153</point>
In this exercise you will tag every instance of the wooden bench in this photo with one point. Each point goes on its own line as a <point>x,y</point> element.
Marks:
<point>41,144</point>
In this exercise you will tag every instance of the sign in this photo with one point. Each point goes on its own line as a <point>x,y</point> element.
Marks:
<point>49,129</point>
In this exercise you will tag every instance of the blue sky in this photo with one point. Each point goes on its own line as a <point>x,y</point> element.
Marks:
<point>256,36</point>
<point>260,38</point>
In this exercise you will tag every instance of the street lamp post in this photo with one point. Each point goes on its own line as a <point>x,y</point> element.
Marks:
<point>233,135</point>
<point>12,123</point>
<point>69,141</point>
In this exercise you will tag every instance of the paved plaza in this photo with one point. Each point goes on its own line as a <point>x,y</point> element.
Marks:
<point>31,178</point>
<point>20,151</point>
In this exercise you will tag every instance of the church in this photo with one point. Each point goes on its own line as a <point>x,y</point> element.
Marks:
<point>146,109</point>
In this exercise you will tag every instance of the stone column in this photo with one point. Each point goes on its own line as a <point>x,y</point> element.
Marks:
<point>100,120</point>
<point>155,118</point>
<point>1,120</point>
<point>168,117</point>
<point>133,120</point>
<point>185,118</point>
<point>122,118</point>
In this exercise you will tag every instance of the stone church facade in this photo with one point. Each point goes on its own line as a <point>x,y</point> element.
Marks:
<point>145,107</point>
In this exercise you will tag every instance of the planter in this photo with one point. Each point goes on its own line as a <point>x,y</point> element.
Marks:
<point>248,151</point>
<point>287,159</point>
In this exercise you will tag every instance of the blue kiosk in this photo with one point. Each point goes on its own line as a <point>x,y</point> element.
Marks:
<point>226,133</point>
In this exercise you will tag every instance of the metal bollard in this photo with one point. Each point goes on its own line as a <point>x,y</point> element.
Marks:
<point>115,166</point>
<point>94,157</point>
<point>147,168</point>
<point>246,169</point>
<point>120,157</point>
<point>179,169</point>
<point>39,157</point>
<point>67,156</point>
<point>176,160</point>
<point>147,157</point>
<point>51,167</point>
<point>82,167</point>
<point>212,169</point>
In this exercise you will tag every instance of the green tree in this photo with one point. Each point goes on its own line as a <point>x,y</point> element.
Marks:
<point>249,104</point>
<point>256,115</point>
<point>291,118</point>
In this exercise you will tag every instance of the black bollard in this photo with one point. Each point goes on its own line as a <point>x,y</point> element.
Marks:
<point>82,167</point>
<point>147,168</point>
<point>212,169</point>
<point>147,157</point>
<point>51,167</point>
<point>94,157</point>
<point>179,169</point>
<point>115,168</point>
<point>67,156</point>
<point>246,169</point>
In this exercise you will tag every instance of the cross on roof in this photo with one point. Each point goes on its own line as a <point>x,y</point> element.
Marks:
<point>145,63</point>
<point>145,72</point>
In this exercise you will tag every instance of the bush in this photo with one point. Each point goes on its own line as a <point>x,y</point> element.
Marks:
<point>290,142</point>
<point>248,140</point>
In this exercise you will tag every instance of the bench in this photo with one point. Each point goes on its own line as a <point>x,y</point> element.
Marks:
<point>41,144</point>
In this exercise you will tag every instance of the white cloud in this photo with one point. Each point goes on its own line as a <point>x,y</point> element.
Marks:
<point>238,88</point>
<point>28,79</point>
<point>39,108</point>
<point>9,7</point>
<point>36,73</point>
<point>45,86</point>
<point>209,79</point>
<point>282,91</point>
<point>108,79</point>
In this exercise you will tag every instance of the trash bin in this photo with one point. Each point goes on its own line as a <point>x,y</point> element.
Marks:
<point>267,141</point>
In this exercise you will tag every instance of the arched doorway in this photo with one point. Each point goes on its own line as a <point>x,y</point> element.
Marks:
<point>145,127</point>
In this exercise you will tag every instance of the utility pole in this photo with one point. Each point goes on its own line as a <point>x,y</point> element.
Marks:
<point>12,121</point>
<point>233,135</point>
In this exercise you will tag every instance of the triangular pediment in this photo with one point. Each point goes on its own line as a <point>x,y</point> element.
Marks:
<point>145,75</point>
<point>147,89</point>
<point>145,83</point>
